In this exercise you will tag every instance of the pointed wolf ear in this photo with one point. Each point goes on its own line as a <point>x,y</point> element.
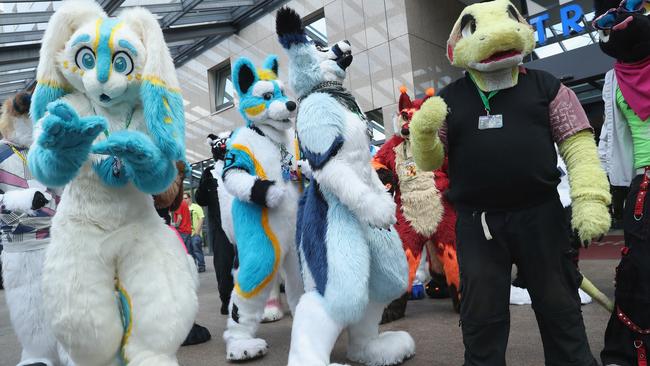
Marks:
<point>244,75</point>
<point>271,63</point>
<point>159,92</point>
<point>51,85</point>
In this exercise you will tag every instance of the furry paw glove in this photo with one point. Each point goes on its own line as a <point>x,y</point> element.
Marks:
<point>428,151</point>
<point>589,186</point>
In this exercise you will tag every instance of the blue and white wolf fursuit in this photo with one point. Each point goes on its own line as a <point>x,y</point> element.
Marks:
<point>259,172</point>
<point>352,261</point>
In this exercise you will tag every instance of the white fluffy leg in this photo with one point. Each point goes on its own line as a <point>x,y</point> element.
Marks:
<point>369,347</point>
<point>273,309</point>
<point>78,281</point>
<point>293,284</point>
<point>245,317</point>
<point>313,334</point>
<point>22,280</point>
<point>164,301</point>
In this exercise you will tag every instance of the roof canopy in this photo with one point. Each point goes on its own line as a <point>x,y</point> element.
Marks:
<point>190,27</point>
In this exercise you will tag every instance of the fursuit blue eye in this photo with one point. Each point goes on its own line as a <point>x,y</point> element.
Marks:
<point>122,63</point>
<point>85,58</point>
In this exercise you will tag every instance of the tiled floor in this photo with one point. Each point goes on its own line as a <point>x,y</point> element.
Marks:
<point>433,324</point>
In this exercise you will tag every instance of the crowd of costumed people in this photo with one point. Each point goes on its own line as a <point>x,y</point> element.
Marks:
<point>101,246</point>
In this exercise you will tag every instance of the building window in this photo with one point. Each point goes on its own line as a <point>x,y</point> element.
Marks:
<point>221,89</point>
<point>316,27</point>
<point>376,126</point>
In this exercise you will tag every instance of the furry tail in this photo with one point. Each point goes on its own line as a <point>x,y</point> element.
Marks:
<point>588,287</point>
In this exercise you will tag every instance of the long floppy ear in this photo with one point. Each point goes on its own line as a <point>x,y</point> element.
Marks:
<point>160,93</point>
<point>244,75</point>
<point>271,63</point>
<point>51,85</point>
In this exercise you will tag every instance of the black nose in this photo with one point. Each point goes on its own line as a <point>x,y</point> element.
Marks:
<point>291,106</point>
<point>345,61</point>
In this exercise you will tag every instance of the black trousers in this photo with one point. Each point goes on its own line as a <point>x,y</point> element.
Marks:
<point>535,239</point>
<point>223,260</point>
<point>632,285</point>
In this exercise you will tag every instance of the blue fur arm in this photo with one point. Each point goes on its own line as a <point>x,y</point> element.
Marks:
<point>144,163</point>
<point>64,144</point>
<point>320,129</point>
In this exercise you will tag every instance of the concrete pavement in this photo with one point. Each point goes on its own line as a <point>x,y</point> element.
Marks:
<point>432,323</point>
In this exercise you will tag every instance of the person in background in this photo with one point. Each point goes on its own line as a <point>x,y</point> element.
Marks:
<point>196,239</point>
<point>183,223</point>
<point>208,195</point>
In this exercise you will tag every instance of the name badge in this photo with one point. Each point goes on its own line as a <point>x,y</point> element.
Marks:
<point>490,121</point>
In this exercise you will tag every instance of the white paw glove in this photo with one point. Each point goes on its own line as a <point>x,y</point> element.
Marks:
<point>378,211</point>
<point>274,196</point>
<point>305,168</point>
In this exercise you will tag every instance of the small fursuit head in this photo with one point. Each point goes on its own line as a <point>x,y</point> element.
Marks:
<point>262,100</point>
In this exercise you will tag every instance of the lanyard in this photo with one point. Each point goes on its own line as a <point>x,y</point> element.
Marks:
<point>126,125</point>
<point>484,98</point>
<point>20,155</point>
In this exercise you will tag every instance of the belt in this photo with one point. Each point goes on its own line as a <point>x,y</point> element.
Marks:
<point>643,191</point>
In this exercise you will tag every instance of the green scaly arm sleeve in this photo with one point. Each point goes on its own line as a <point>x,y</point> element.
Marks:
<point>589,186</point>
<point>428,151</point>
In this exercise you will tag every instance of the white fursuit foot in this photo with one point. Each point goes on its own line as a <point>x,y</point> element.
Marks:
<point>388,348</point>
<point>246,349</point>
<point>584,297</point>
<point>519,296</point>
<point>272,312</point>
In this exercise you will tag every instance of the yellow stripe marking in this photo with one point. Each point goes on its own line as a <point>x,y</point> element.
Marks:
<point>127,334</point>
<point>259,171</point>
<point>264,74</point>
<point>54,84</point>
<point>254,111</point>
<point>65,64</point>
<point>159,82</point>
<point>98,25</point>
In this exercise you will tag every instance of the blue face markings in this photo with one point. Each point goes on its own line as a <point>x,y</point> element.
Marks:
<point>82,38</point>
<point>104,48</point>
<point>127,46</point>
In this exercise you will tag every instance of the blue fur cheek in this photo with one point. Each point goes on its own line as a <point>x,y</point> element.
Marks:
<point>43,95</point>
<point>104,170</point>
<point>168,136</point>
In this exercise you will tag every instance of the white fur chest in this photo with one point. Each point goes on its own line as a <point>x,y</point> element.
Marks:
<point>268,154</point>
<point>356,146</point>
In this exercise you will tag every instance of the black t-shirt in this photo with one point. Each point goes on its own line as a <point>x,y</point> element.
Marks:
<point>505,168</point>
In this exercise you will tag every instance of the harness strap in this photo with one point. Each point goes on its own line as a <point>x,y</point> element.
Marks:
<point>641,351</point>
<point>641,356</point>
<point>640,197</point>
